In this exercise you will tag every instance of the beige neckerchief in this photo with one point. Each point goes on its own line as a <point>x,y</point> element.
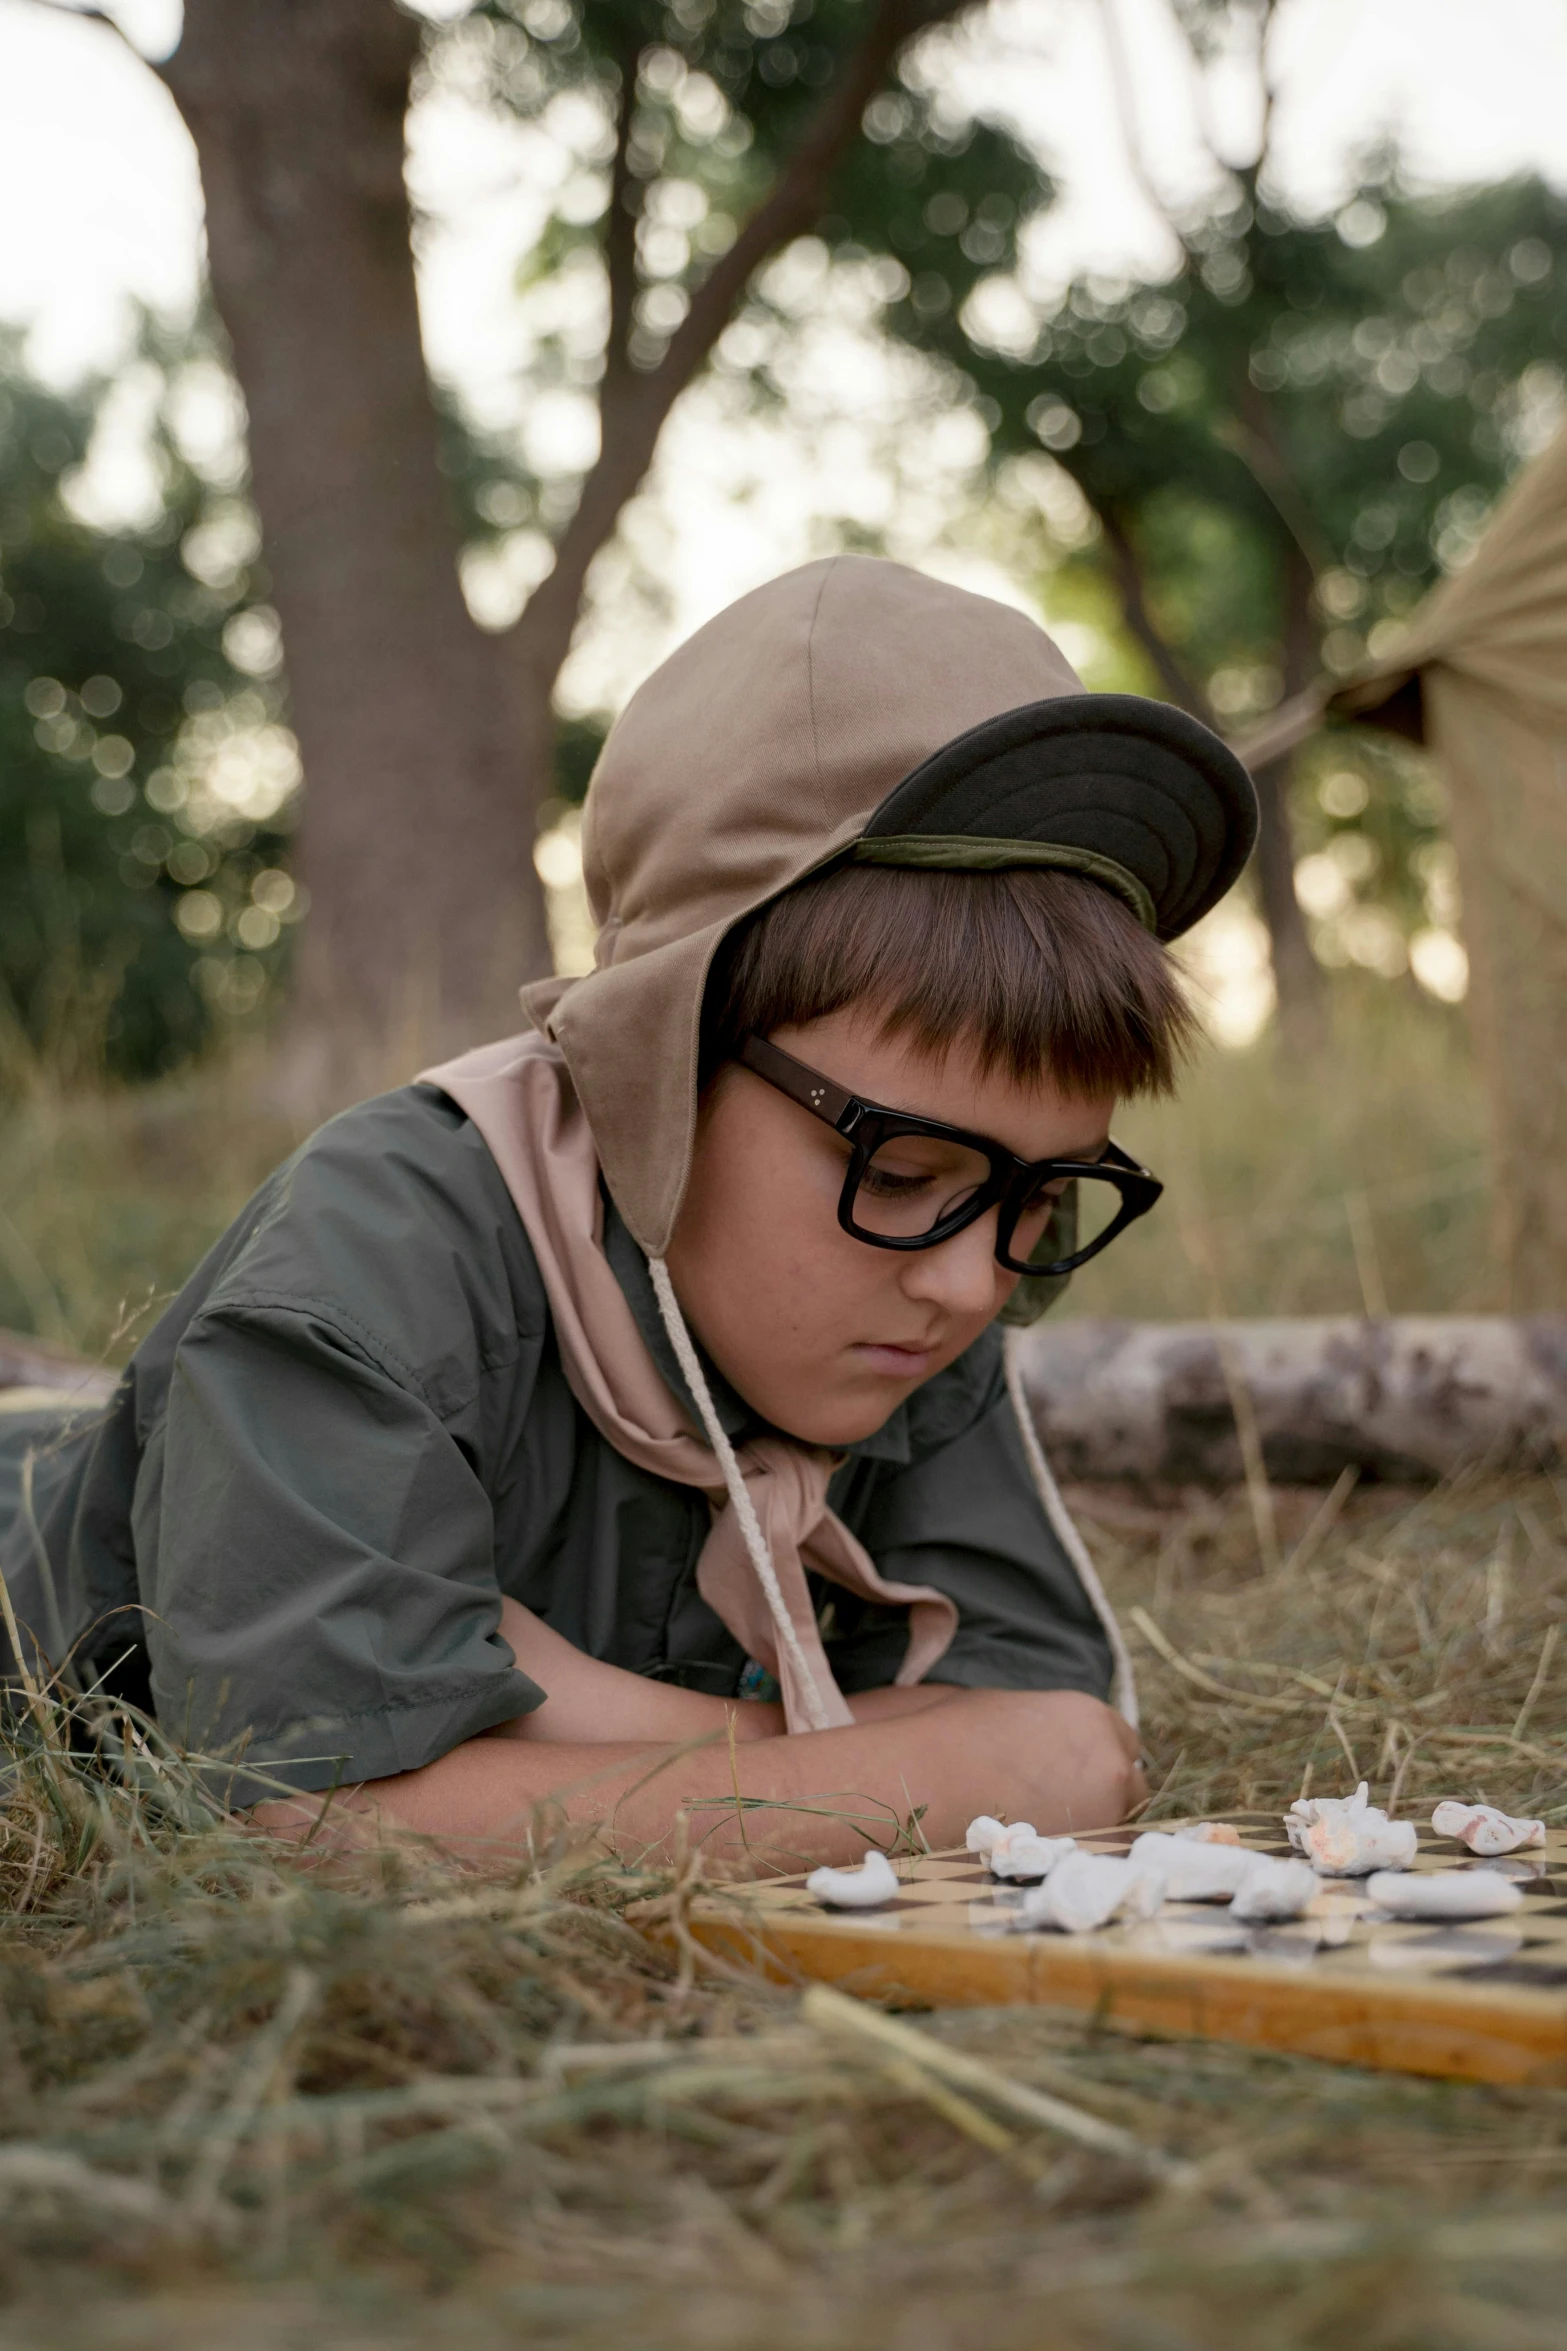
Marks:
<point>519,1095</point>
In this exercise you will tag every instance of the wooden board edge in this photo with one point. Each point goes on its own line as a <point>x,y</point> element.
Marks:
<point>1452,2032</point>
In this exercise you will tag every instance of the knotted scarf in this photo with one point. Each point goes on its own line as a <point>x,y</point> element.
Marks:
<point>768,1496</point>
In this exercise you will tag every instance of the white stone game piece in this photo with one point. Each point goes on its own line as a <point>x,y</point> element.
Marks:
<point>985,1834</point>
<point>1348,1837</point>
<point>1273,1892</point>
<point>1023,1857</point>
<point>1088,1890</point>
<point>1306,1811</point>
<point>1485,1830</point>
<point>855,1889</point>
<point>1210,1832</point>
<point>1444,1893</point>
<point>1193,1871</point>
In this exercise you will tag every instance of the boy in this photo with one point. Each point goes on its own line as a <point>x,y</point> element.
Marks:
<point>537,1417</point>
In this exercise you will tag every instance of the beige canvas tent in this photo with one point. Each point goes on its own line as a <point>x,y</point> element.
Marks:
<point>1480,676</point>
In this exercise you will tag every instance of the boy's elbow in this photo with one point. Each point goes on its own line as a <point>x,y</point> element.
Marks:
<point>1060,1758</point>
<point>1084,1755</point>
<point>1126,1781</point>
<point>1107,1775</point>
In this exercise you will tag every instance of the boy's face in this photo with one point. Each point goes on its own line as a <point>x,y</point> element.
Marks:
<point>821,1333</point>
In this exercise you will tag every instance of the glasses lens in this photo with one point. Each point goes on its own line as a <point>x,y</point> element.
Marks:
<point>1064,1217</point>
<point>915,1183</point>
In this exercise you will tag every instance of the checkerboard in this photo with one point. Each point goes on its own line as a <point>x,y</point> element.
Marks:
<point>1482,1999</point>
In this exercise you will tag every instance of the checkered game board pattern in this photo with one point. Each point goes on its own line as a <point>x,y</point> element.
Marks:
<point>1343,1935</point>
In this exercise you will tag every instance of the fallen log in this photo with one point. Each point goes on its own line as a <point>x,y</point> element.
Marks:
<point>1401,1401</point>
<point>1404,1400</point>
<point>28,1367</point>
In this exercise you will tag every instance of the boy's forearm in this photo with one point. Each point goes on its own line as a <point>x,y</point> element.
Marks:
<point>591,1703</point>
<point>1057,1758</point>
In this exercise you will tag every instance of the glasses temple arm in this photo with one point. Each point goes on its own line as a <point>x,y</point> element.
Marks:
<point>806,1086</point>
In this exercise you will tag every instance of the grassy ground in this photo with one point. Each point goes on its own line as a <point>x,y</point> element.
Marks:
<point>244,2103</point>
<point>249,2102</point>
<point>108,1197</point>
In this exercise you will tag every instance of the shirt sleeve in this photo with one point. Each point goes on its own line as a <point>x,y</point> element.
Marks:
<point>323,1601</point>
<point>966,1518</point>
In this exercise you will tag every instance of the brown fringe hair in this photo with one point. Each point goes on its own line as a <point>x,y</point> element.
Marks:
<point>1038,972</point>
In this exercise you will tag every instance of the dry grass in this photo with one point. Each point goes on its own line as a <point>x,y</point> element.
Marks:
<point>1355,1185</point>
<point>110,1195</point>
<point>246,2102</point>
<point>1291,1190</point>
<point>250,2101</point>
<point>1409,1640</point>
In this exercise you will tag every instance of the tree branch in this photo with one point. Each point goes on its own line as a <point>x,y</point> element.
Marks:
<point>1126,109</point>
<point>1173,674</point>
<point>635,417</point>
<point>794,201</point>
<point>620,235</point>
<point>1251,435</point>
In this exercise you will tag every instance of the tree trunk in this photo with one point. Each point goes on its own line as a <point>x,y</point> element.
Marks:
<point>417,834</point>
<point>1408,1400</point>
<point>1296,973</point>
<point>29,1370</point>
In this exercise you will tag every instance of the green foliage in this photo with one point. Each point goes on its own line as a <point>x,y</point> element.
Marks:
<point>136,819</point>
<point>1280,448</point>
<point>1356,392</point>
<point>578,742</point>
<point>927,200</point>
<point>944,197</point>
<point>1287,443</point>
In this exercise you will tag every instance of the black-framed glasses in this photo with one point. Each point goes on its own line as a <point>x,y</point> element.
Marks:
<point>912,1182</point>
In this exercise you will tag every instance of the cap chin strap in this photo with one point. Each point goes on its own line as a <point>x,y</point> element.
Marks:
<point>1124,1687</point>
<point>739,1498</point>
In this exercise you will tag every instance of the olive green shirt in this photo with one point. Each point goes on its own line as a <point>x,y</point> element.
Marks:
<point>351,1434</point>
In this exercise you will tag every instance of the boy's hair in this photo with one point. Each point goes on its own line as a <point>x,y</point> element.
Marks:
<point>1039,972</point>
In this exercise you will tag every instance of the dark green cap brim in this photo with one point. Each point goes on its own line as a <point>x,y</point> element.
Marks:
<point>1134,794</point>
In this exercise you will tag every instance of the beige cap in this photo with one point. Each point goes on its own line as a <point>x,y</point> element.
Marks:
<point>761,750</point>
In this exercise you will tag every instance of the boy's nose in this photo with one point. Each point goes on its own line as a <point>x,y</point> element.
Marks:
<point>958,1275</point>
